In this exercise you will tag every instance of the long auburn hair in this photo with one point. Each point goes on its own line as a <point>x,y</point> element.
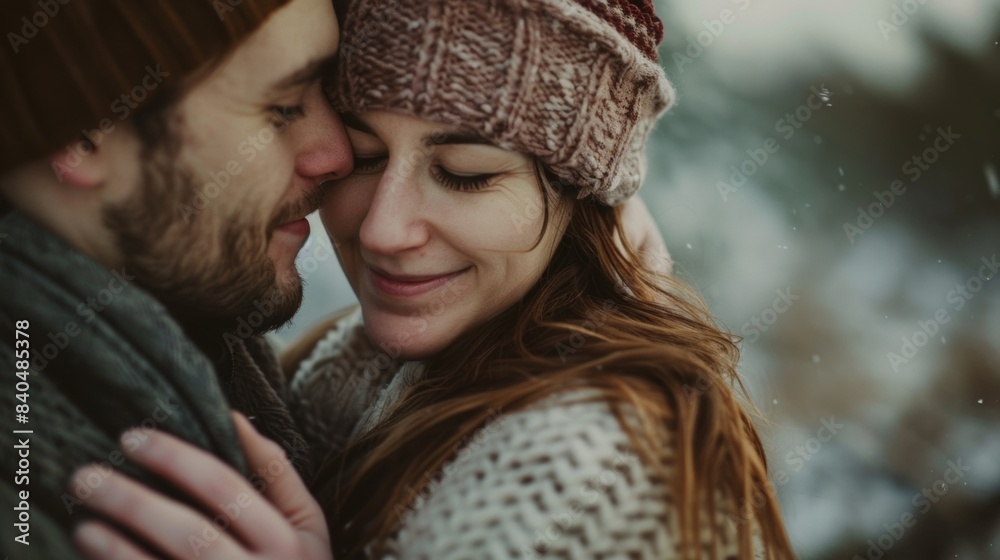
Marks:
<point>649,347</point>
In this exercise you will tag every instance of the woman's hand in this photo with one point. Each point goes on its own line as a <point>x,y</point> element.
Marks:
<point>282,523</point>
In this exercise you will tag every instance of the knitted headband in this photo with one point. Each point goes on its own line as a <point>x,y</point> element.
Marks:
<point>68,65</point>
<point>574,82</point>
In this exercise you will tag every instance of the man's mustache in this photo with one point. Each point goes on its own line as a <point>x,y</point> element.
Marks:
<point>292,211</point>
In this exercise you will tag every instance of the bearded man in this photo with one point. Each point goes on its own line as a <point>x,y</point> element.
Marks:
<point>158,161</point>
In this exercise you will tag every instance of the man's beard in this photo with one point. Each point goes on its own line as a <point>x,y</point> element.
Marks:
<point>210,270</point>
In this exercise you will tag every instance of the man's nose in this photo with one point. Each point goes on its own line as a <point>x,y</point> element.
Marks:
<point>323,151</point>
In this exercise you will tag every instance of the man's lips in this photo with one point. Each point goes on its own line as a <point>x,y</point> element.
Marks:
<point>292,218</point>
<point>297,227</point>
<point>403,286</point>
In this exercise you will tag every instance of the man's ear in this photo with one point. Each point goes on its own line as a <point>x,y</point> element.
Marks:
<point>80,165</point>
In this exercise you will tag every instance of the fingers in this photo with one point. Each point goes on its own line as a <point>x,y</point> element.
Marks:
<point>241,522</point>
<point>172,527</point>
<point>97,541</point>
<point>658,258</point>
<point>283,486</point>
<point>645,237</point>
<point>235,505</point>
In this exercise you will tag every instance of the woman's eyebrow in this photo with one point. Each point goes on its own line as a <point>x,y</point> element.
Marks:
<point>351,120</point>
<point>440,139</point>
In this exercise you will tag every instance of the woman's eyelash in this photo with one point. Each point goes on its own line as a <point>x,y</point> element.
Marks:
<point>461,182</point>
<point>369,164</point>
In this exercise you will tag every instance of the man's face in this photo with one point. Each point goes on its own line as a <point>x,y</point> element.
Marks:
<point>214,224</point>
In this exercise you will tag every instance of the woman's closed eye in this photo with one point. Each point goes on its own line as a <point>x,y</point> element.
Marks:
<point>364,164</point>
<point>369,164</point>
<point>460,182</point>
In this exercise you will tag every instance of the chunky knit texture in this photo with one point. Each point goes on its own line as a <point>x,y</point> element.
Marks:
<point>635,19</point>
<point>575,83</point>
<point>556,480</point>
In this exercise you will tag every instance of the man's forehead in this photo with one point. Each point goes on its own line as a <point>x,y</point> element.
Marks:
<point>315,69</point>
<point>296,45</point>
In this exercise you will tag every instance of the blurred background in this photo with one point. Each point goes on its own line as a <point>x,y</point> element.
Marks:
<point>830,182</point>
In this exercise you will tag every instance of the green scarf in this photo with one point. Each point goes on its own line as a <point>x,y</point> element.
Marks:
<point>106,356</point>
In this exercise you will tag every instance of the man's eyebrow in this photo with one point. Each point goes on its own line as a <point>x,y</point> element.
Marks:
<point>316,68</point>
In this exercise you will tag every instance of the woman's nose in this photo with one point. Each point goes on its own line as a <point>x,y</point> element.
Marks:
<point>395,221</point>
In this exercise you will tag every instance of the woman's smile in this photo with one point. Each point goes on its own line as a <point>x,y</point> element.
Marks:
<point>408,285</point>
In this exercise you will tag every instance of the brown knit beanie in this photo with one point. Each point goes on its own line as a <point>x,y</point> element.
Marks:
<point>574,82</point>
<point>69,65</point>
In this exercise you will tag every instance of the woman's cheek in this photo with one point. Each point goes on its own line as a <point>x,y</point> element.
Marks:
<point>497,221</point>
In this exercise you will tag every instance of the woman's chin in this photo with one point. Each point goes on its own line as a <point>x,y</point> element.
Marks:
<point>409,351</point>
<point>402,340</point>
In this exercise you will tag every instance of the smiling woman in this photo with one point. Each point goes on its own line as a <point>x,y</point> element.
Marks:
<point>517,382</point>
<point>428,190</point>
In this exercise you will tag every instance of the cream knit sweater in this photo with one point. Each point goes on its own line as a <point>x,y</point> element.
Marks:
<point>556,480</point>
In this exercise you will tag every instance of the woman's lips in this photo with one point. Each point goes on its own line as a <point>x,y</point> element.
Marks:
<point>298,227</point>
<point>409,286</point>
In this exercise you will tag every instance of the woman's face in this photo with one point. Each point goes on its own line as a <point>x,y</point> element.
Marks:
<point>436,230</point>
